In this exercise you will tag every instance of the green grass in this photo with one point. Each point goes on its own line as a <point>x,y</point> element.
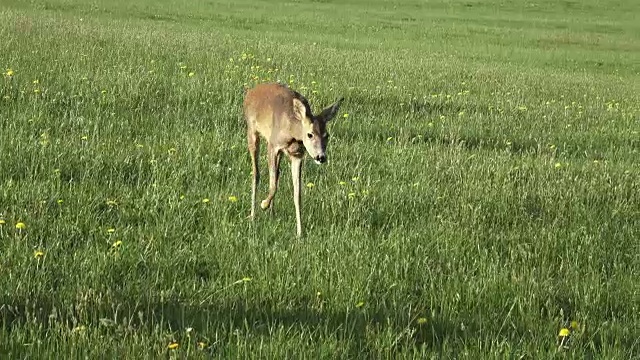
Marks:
<point>483,191</point>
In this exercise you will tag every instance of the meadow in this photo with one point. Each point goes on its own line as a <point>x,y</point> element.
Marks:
<point>482,190</point>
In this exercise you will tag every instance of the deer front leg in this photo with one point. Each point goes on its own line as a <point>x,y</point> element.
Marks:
<point>296,171</point>
<point>254,150</point>
<point>274,175</point>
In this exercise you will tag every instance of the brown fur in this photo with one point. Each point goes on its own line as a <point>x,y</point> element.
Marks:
<point>284,119</point>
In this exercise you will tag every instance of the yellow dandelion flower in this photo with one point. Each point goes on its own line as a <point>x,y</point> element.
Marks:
<point>389,138</point>
<point>2,222</point>
<point>36,82</point>
<point>246,279</point>
<point>310,185</point>
<point>79,328</point>
<point>421,321</point>
<point>38,254</point>
<point>191,74</point>
<point>181,197</point>
<point>355,178</point>
<point>21,226</point>
<point>111,230</point>
<point>564,332</point>
<point>233,198</point>
<point>173,345</point>
<point>557,165</point>
<point>36,91</point>
<point>345,115</point>
<point>9,72</point>
<point>60,201</point>
<point>351,195</point>
<point>342,183</point>
<point>202,345</point>
<point>139,146</point>
<point>360,304</point>
<point>103,92</point>
<point>205,201</point>
<point>116,244</point>
<point>111,202</point>
<point>183,67</point>
<point>574,325</point>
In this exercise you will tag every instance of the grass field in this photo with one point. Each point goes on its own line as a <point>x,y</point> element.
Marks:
<point>482,190</point>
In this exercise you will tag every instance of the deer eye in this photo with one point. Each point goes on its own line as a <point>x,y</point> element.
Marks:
<point>310,135</point>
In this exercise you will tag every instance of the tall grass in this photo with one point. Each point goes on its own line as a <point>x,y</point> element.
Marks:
<point>482,190</point>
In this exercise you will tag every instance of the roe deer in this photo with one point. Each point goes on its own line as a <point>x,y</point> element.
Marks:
<point>283,117</point>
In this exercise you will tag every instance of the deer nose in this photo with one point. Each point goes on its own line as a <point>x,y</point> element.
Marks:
<point>321,159</point>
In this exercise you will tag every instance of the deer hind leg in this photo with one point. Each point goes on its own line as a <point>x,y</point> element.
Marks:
<point>253,140</point>
<point>274,175</point>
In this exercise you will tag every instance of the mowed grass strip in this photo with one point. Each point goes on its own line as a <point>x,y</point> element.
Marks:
<point>481,191</point>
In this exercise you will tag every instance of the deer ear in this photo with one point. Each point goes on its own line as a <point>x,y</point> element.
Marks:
<point>330,112</point>
<point>299,110</point>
